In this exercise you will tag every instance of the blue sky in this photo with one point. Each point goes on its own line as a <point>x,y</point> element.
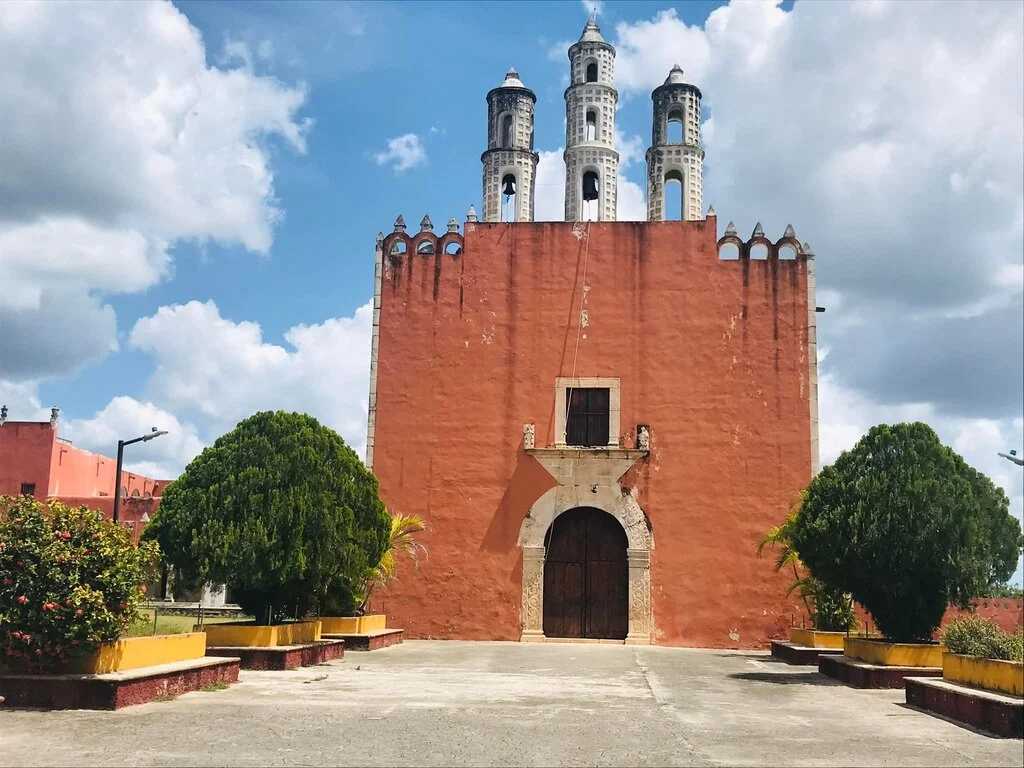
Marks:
<point>189,193</point>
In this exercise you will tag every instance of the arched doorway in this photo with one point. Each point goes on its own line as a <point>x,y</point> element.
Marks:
<point>586,576</point>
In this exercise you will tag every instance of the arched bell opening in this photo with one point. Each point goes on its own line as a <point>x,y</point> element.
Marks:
<point>509,188</point>
<point>591,197</point>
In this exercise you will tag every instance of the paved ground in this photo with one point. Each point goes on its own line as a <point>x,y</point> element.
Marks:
<point>448,703</point>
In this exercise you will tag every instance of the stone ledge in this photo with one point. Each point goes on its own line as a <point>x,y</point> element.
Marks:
<point>860,674</point>
<point>114,690</point>
<point>280,657</point>
<point>369,641</point>
<point>791,653</point>
<point>996,713</point>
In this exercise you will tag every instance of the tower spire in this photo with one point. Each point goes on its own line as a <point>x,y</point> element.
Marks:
<point>591,162</point>
<point>510,163</point>
<point>675,155</point>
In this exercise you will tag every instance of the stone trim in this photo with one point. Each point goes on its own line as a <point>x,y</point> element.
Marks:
<point>371,416</point>
<point>614,410</point>
<point>587,478</point>
<point>812,361</point>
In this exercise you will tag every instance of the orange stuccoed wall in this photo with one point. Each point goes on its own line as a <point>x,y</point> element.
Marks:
<point>32,453</point>
<point>711,354</point>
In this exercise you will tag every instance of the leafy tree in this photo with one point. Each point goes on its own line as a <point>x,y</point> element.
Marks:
<point>905,526</point>
<point>69,581</point>
<point>830,609</point>
<point>280,510</point>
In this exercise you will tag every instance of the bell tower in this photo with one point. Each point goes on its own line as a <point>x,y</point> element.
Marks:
<point>591,162</point>
<point>510,163</point>
<point>675,155</point>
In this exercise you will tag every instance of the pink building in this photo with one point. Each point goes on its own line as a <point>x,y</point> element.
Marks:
<point>34,460</point>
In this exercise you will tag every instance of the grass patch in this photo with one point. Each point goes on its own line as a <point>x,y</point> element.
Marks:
<point>214,687</point>
<point>173,625</point>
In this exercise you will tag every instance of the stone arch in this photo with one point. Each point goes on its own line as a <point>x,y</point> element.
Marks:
<point>621,504</point>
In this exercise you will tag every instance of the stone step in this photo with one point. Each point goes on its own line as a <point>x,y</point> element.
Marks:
<point>792,653</point>
<point>860,674</point>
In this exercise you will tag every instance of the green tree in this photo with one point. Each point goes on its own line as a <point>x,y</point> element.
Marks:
<point>69,581</point>
<point>905,526</point>
<point>830,609</point>
<point>280,510</point>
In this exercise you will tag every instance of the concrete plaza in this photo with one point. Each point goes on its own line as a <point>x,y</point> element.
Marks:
<point>457,703</point>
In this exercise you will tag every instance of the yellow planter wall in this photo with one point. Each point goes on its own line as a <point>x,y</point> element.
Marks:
<point>893,654</point>
<point>254,636</point>
<point>809,638</point>
<point>136,652</point>
<point>991,674</point>
<point>353,625</point>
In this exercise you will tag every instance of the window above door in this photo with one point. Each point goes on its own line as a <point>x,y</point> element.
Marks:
<point>587,412</point>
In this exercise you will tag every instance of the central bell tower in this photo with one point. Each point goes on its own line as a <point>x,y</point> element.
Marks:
<point>591,162</point>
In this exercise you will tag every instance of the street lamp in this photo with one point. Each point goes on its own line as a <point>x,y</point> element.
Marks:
<point>120,456</point>
<point>1012,456</point>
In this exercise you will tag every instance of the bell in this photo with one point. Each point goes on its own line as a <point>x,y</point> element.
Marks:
<point>510,186</point>
<point>590,186</point>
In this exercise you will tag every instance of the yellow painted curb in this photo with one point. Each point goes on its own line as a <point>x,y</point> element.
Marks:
<point>248,635</point>
<point>353,625</point>
<point>893,654</point>
<point>136,652</point>
<point>990,674</point>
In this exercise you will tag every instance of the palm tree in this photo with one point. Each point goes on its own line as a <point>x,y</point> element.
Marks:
<point>401,541</point>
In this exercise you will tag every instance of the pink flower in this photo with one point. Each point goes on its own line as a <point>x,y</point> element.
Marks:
<point>22,599</point>
<point>39,651</point>
<point>143,588</point>
<point>16,635</point>
<point>79,613</point>
<point>7,582</point>
<point>26,638</point>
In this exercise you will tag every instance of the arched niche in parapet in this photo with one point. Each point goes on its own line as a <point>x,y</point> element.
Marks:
<point>730,248</point>
<point>426,244</point>
<point>759,248</point>
<point>788,249</point>
<point>396,245</point>
<point>451,244</point>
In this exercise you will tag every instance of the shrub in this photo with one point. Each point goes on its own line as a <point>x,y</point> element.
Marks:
<point>280,510</point>
<point>69,581</point>
<point>975,636</point>
<point>902,524</point>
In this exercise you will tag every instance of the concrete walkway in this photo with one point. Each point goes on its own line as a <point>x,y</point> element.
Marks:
<point>449,703</point>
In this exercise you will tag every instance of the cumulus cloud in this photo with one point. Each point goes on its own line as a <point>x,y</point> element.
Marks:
<point>403,152</point>
<point>890,135</point>
<point>113,154</point>
<point>217,371</point>
<point>124,418</point>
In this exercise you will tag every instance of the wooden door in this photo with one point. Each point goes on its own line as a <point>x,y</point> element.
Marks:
<point>586,577</point>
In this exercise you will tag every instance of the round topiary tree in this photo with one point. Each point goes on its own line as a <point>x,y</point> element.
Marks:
<point>69,581</point>
<point>280,510</point>
<point>906,527</point>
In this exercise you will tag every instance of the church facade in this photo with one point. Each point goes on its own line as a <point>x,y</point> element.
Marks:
<point>596,419</point>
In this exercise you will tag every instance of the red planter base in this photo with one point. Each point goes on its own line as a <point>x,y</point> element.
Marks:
<point>862,675</point>
<point>993,712</point>
<point>116,689</point>
<point>280,657</point>
<point>371,641</point>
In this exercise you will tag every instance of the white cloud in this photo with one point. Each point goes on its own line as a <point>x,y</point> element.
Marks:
<point>124,418</point>
<point>403,152</point>
<point>114,153</point>
<point>217,371</point>
<point>593,7</point>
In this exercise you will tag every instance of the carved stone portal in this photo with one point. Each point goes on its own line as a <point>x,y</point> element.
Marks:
<point>587,478</point>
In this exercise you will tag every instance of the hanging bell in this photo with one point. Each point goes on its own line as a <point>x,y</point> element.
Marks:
<point>510,186</point>
<point>590,186</point>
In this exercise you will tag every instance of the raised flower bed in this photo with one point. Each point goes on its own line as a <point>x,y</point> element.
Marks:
<point>361,633</point>
<point>877,663</point>
<point>273,646</point>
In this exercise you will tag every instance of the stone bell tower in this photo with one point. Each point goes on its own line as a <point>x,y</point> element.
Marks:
<point>510,163</point>
<point>591,162</point>
<point>675,155</point>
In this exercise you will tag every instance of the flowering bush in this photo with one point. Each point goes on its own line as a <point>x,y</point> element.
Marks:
<point>69,581</point>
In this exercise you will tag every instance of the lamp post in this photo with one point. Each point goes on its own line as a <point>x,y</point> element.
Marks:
<point>120,456</point>
<point>1012,456</point>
